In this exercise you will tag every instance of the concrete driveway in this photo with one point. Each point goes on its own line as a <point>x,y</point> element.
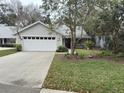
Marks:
<point>25,69</point>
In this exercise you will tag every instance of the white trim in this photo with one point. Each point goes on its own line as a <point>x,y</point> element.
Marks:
<point>32,25</point>
<point>35,24</point>
<point>38,35</point>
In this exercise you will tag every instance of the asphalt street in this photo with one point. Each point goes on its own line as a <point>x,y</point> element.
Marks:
<point>17,89</point>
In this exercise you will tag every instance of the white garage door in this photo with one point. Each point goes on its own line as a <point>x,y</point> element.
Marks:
<point>36,43</point>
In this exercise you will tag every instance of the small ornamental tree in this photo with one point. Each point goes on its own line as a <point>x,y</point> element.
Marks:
<point>88,44</point>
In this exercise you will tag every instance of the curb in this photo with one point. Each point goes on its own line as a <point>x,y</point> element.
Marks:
<point>53,91</point>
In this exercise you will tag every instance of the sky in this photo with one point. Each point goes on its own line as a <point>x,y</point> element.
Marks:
<point>26,2</point>
<point>36,2</point>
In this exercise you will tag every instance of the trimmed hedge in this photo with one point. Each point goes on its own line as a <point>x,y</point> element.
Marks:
<point>62,49</point>
<point>18,47</point>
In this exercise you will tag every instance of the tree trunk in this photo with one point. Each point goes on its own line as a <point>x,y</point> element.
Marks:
<point>72,42</point>
<point>72,27</point>
<point>73,30</point>
<point>18,31</point>
<point>115,42</point>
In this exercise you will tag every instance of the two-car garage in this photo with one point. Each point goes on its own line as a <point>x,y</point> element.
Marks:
<point>39,43</point>
<point>38,37</point>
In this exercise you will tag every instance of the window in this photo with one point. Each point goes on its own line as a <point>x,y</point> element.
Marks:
<point>25,37</point>
<point>29,37</point>
<point>45,38</point>
<point>53,38</point>
<point>49,38</point>
<point>33,37</point>
<point>41,37</point>
<point>37,38</point>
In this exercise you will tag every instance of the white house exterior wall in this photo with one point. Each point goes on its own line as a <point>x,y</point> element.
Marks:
<point>40,31</point>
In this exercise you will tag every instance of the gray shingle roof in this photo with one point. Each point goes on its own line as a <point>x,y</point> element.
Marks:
<point>6,31</point>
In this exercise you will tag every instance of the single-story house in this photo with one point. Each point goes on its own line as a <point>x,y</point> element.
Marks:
<point>7,37</point>
<point>38,37</point>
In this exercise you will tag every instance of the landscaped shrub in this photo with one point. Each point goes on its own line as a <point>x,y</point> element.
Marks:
<point>104,53</point>
<point>120,54</point>
<point>81,55</point>
<point>88,44</point>
<point>66,54</point>
<point>7,45</point>
<point>18,47</point>
<point>62,49</point>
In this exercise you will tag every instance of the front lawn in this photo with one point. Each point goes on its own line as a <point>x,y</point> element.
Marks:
<point>7,52</point>
<point>88,52</point>
<point>94,76</point>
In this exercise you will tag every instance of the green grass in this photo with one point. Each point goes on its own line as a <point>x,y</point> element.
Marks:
<point>88,52</point>
<point>7,52</point>
<point>94,52</point>
<point>93,76</point>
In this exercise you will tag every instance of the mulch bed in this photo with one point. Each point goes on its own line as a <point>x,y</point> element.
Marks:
<point>76,58</point>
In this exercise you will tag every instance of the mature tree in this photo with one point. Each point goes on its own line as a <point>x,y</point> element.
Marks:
<point>25,14</point>
<point>6,14</point>
<point>72,13</point>
<point>19,15</point>
<point>14,13</point>
<point>109,21</point>
<point>86,13</point>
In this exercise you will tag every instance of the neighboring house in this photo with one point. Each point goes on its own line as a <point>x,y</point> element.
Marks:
<point>38,37</point>
<point>7,37</point>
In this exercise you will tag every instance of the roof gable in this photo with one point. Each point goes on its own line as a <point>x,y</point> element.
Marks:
<point>34,24</point>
